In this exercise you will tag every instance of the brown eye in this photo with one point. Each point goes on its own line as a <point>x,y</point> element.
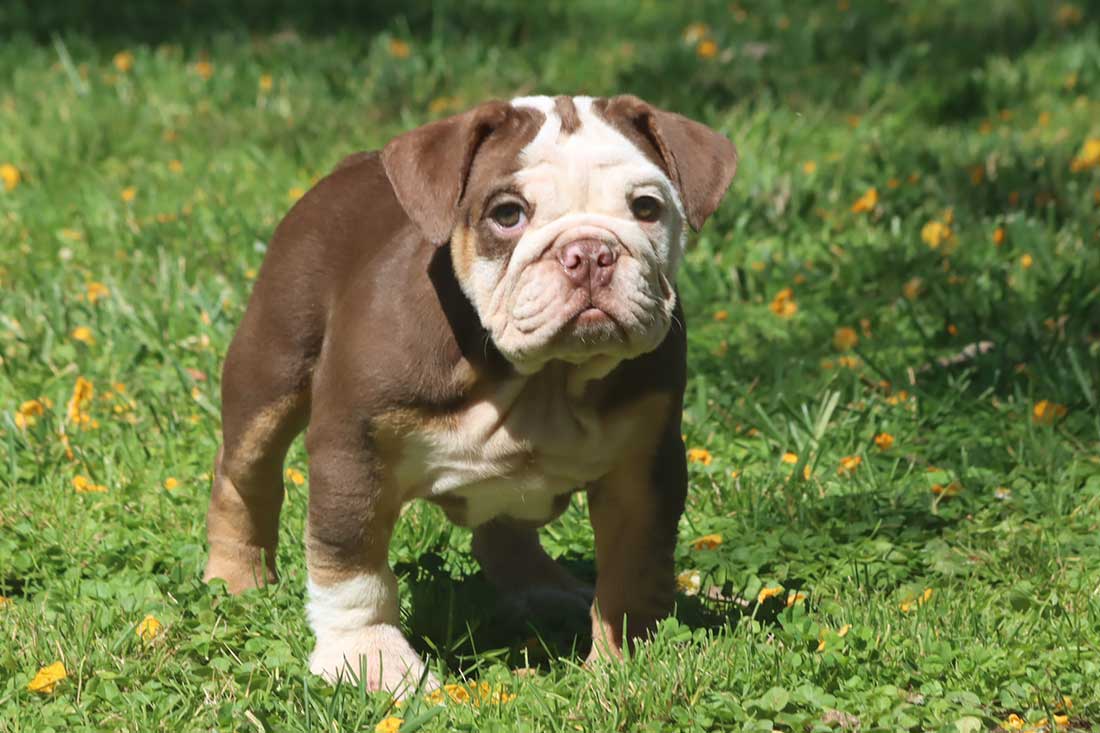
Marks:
<point>646,208</point>
<point>508,215</point>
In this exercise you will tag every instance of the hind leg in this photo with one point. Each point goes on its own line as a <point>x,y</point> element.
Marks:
<point>533,584</point>
<point>264,406</point>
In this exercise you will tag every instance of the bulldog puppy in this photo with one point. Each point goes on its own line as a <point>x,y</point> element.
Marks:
<point>483,315</point>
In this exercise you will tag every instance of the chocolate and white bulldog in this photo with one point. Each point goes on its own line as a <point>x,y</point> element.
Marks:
<point>484,315</point>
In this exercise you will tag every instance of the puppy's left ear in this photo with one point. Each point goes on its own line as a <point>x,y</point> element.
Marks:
<point>428,166</point>
<point>700,161</point>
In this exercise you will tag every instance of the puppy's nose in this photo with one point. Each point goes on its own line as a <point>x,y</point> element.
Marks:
<point>588,260</point>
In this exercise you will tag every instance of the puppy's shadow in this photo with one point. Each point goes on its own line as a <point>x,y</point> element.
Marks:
<point>466,622</point>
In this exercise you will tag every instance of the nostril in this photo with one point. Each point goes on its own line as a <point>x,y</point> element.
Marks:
<point>571,259</point>
<point>605,257</point>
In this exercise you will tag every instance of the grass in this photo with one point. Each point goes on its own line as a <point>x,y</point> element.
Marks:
<point>969,115</point>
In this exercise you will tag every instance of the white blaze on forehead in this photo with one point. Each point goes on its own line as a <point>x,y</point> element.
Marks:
<point>591,169</point>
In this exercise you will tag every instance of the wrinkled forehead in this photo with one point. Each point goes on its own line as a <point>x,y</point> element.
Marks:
<point>579,150</point>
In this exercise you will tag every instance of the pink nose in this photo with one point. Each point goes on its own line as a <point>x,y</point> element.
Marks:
<point>588,261</point>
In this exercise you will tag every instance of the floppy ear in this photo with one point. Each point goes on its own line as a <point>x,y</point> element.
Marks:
<point>700,161</point>
<point>428,166</point>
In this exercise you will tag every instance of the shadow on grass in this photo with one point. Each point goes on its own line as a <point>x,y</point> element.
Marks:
<point>465,622</point>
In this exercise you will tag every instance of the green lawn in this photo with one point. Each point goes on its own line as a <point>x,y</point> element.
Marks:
<point>948,579</point>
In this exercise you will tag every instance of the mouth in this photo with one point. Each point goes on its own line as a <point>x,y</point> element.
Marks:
<point>593,324</point>
<point>592,316</point>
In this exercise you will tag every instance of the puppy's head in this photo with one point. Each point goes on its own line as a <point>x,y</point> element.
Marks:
<point>566,216</point>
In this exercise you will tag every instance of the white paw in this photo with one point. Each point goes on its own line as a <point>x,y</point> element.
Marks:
<point>380,652</point>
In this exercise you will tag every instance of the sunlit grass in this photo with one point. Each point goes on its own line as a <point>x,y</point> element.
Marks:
<point>892,420</point>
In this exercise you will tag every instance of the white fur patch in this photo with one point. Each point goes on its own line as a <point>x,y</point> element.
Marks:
<point>512,452</point>
<point>353,604</point>
<point>356,624</point>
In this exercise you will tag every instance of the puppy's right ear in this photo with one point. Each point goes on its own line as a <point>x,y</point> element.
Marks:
<point>428,167</point>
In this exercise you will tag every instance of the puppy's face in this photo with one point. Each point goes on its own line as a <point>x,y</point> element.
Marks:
<point>571,223</point>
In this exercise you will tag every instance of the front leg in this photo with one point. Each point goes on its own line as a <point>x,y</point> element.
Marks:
<point>353,605</point>
<point>635,511</point>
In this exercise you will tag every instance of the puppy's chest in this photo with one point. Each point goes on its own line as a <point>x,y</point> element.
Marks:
<point>515,451</point>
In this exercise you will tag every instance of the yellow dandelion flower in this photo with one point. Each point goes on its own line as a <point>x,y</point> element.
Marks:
<point>171,483</point>
<point>912,288</point>
<point>439,105</point>
<point>175,166</point>
<point>266,82</point>
<point>951,489</point>
<point>389,725</point>
<point>295,193</point>
<point>911,603</point>
<point>707,49</point>
<point>707,542</point>
<point>952,329</point>
<point>848,465</point>
<point>123,61</point>
<point>768,592</point>
<point>845,339</point>
<point>148,628</point>
<point>47,678</point>
<point>809,167</point>
<point>84,335</point>
<point>700,455</point>
<point>1062,721</point>
<point>998,236</point>
<point>866,202</point>
<point>128,194</point>
<point>84,485</point>
<point>295,476</point>
<point>884,441</point>
<point>399,49</point>
<point>5,601</point>
<point>29,412</point>
<point>789,457</point>
<point>795,597</point>
<point>722,315</point>
<point>935,233</point>
<point>898,398</point>
<point>1026,261</point>
<point>10,175</point>
<point>1013,722</point>
<point>1089,157</point>
<point>83,391</point>
<point>95,291</point>
<point>204,69</point>
<point>843,630</point>
<point>1046,412</point>
<point>784,305</point>
<point>457,693</point>
<point>893,183</point>
<point>689,582</point>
